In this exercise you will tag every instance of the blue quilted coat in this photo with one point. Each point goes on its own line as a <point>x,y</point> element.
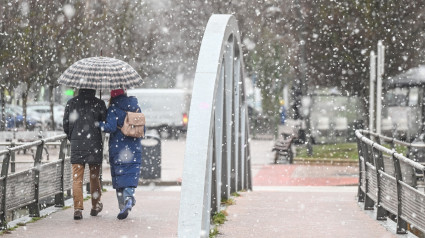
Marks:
<point>125,153</point>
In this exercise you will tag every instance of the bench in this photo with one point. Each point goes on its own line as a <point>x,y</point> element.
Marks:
<point>283,146</point>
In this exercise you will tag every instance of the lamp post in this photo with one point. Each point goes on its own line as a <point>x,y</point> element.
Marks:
<point>380,73</point>
<point>372,90</point>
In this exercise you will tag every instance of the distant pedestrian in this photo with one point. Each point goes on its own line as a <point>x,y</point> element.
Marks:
<point>282,112</point>
<point>80,123</point>
<point>125,153</point>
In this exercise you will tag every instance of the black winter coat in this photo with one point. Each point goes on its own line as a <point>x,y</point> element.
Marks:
<point>80,123</point>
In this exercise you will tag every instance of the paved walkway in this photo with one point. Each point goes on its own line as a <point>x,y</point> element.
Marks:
<point>287,201</point>
<point>298,212</point>
<point>154,215</point>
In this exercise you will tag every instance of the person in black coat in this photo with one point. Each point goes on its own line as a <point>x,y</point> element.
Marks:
<point>80,123</point>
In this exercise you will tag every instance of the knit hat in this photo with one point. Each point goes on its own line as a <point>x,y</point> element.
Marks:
<point>117,92</point>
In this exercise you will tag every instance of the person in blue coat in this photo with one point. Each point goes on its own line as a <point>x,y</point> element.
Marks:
<point>125,153</point>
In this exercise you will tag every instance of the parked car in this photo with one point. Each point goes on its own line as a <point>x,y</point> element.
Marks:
<point>15,118</point>
<point>42,113</point>
<point>166,110</point>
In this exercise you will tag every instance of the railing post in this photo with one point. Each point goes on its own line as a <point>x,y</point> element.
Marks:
<point>401,224</point>
<point>34,208</point>
<point>381,213</point>
<point>4,172</point>
<point>368,202</point>
<point>59,198</point>
<point>12,158</point>
<point>360,193</point>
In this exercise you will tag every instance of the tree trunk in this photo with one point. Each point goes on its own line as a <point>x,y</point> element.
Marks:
<point>52,116</point>
<point>24,107</point>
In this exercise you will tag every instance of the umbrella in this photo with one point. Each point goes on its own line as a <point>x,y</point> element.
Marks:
<point>100,73</point>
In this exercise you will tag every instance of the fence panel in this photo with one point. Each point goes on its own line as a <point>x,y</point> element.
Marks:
<point>391,181</point>
<point>20,189</point>
<point>388,193</point>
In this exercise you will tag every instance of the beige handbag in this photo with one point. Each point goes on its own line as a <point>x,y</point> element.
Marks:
<point>134,124</point>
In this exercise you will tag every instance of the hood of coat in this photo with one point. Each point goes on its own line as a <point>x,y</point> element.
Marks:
<point>125,103</point>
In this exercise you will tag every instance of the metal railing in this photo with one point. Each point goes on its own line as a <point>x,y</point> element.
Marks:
<point>217,158</point>
<point>390,181</point>
<point>43,180</point>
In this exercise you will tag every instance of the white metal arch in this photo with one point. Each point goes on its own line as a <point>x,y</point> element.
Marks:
<point>217,157</point>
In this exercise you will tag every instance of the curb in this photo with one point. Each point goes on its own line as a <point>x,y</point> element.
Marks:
<point>152,182</point>
<point>325,162</point>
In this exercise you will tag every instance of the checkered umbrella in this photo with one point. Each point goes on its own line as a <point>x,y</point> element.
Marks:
<point>100,73</point>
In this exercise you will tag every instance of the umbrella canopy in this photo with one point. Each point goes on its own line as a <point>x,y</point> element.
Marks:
<point>100,73</point>
<point>412,77</point>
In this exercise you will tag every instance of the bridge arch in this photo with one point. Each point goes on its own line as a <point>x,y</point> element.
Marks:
<point>217,157</point>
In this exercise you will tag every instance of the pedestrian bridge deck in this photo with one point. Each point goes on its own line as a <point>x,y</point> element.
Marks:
<point>286,199</point>
<point>269,211</point>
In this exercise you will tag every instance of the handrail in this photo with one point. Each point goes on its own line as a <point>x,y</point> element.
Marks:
<point>388,151</point>
<point>388,181</point>
<point>392,140</point>
<point>217,158</point>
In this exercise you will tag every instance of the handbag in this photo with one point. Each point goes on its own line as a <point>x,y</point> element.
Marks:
<point>134,124</point>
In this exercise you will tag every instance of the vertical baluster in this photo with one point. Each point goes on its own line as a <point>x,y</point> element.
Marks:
<point>236,112</point>
<point>68,154</point>
<point>230,113</point>
<point>243,148</point>
<point>215,203</point>
<point>401,224</point>
<point>225,168</point>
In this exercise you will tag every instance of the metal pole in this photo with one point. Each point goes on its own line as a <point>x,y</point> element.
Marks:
<point>380,72</point>
<point>401,224</point>
<point>4,172</point>
<point>372,90</point>
<point>59,198</point>
<point>34,208</point>
<point>360,192</point>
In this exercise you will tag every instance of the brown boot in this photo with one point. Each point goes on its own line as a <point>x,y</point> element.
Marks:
<point>78,214</point>
<point>97,209</point>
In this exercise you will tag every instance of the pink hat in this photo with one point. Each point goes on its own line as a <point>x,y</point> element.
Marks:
<point>117,92</point>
